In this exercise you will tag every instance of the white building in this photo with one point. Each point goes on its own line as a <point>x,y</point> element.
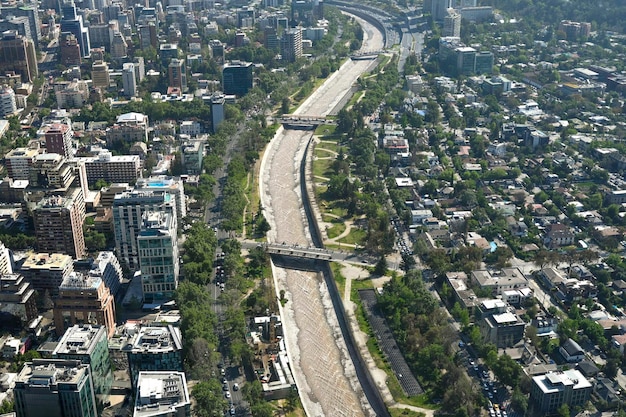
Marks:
<point>128,210</point>
<point>6,266</point>
<point>129,79</point>
<point>162,394</point>
<point>552,390</point>
<point>8,105</point>
<point>158,256</point>
<point>18,162</point>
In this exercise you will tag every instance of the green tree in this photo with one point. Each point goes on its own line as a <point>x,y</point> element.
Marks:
<point>209,399</point>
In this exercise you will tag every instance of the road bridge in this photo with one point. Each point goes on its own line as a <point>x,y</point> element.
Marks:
<point>363,55</point>
<point>300,121</point>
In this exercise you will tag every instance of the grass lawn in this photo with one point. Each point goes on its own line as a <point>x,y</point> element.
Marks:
<point>321,168</point>
<point>324,130</point>
<point>336,229</point>
<point>356,236</point>
<point>339,278</point>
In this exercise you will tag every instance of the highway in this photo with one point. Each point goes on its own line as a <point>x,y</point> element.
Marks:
<point>323,364</point>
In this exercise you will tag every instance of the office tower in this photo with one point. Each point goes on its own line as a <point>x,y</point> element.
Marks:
<point>162,394</point>
<point>291,44</point>
<point>84,299</point>
<point>245,17</point>
<point>217,50</point>
<point>31,13</point>
<point>129,79</point>
<point>100,75</point>
<point>19,161</point>
<point>158,256</point>
<point>217,110</point>
<point>112,168</point>
<point>148,35</point>
<point>59,139</point>
<point>167,52</point>
<point>452,23</point>
<point>18,54</point>
<point>271,38</point>
<point>154,348</point>
<point>128,209</point>
<point>119,48</point>
<point>55,387</point>
<point>18,305</point>
<point>237,77</point>
<point>46,271</point>
<point>8,107</point>
<point>59,224</point>
<point>100,35</point>
<point>177,74</point>
<point>89,344</point>
<point>439,9</point>
<point>70,50</point>
<point>73,23</point>
<point>6,264</point>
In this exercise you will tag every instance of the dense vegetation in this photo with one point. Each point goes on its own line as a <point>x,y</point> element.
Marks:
<point>426,339</point>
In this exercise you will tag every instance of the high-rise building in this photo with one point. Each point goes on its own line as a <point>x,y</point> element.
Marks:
<point>439,9</point>
<point>89,345</point>
<point>128,209</point>
<point>8,106</point>
<point>104,266</point>
<point>55,387</point>
<point>6,264</point>
<point>140,68</point>
<point>51,171</point>
<point>148,35</point>
<point>112,168</point>
<point>217,50</point>
<point>32,14</point>
<point>171,185</point>
<point>154,348</point>
<point>19,161</point>
<point>452,23</point>
<point>46,271</point>
<point>84,299</point>
<point>119,47</point>
<point>192,152</point>
<point>167,52</point>
<point>217,111</point>
<point>291,44</point>
<point>70,50</point>
<point>158,256</point>
<point>59,139</point>
<point>18,305</point>
<point>73,23</point>
<point>162,394</point>
<point>177,74</point>
<point>129,79</point>
<point>100,75</point>
<point>17,53</point>
<point>59,224</point>
<point>237,77</point>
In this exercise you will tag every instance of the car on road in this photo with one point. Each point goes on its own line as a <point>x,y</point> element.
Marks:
<point>227,394</point>
<point>235,387</point>
<point>232,411</point>
<point>225,387</point>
